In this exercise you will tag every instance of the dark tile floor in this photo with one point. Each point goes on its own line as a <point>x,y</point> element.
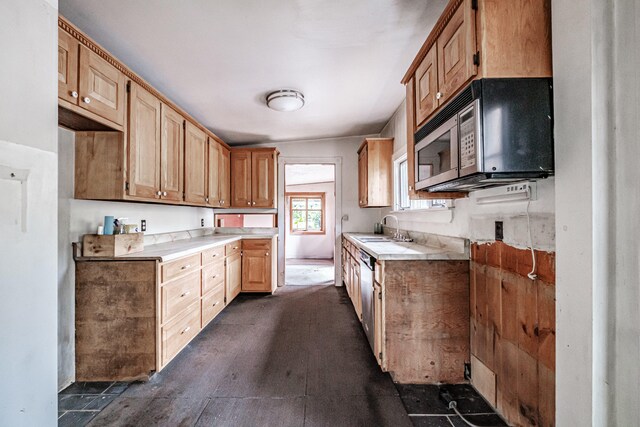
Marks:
<point>298,357</point>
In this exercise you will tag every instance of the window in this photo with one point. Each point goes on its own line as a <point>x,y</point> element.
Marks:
<point>306,213</point>
<point>401,190</point>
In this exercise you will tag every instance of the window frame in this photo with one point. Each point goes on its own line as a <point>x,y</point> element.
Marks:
<point>322,210</point>
<point>414,205</point>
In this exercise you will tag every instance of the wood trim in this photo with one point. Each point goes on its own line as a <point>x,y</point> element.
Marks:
<point>90,44</point>
<point>442,22</point>
<point>308,195</point>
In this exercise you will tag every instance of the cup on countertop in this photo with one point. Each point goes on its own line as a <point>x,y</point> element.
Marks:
<point>108,224</point>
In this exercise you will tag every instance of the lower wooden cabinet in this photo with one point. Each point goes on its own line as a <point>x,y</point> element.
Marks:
<point>234,276</point>
<point>258,265</point>
<point>179,331</point>
<point>212,303</point>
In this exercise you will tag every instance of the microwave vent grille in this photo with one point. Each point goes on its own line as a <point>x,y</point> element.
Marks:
<point>451,109</point>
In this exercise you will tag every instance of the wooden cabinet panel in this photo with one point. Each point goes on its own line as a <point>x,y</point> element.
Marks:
<point>213,187</point>
<point>362,177</point>
<point>377,322</point>
<point>262,180</point>
<point>233,248</point>
<point>195,166</point>
<point>240,179</point>
<point>456,46</point>
<point>171,154</point>
<point>102,87</point>
<point>256,270</point>
<point>426,86</point>
<point>179,294</point>
<point>212,276</point>
<point>212,304</point>
<point>224,176</point>
<point>68,49</point>
<point>177,333</point>
<point>144,143</point>
<point>213,255</point>
<point>234,276</point>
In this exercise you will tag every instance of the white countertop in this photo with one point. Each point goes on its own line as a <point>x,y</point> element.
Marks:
<point>179,248</point>
<point>406,251</point>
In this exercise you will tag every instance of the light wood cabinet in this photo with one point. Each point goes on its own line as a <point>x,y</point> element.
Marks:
<point>144,144</point>
<point>378,324</point>
<point>195,176</point>
<point>224,176</point>
<point>213,187</point>
<point>426,86</point>
<point>375,172</point>
<point>171,154</point>
<point>253,178</point>
<point>234,276</point>
<point>258,265</point>
<point>68,50</point>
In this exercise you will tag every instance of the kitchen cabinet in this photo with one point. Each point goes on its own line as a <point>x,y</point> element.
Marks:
<point>253,178</point>
<point>213,185</point>
<point>224,176</point>
<point>196,158</point>
<point>234,275</point>
<point>259,265</point>
<point>68,50</point>
<point>468,42</point>
<point>144,144</point>
<point>378,324</point>
<point>375,172</point>
<point>171,154</point>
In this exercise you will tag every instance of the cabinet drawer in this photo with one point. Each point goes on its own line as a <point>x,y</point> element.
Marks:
<point>212,255</point>
<point>212,304</point>
<point>180,266</point>
<point>233,247</point>
<point>178,294</point>
<point>177,333</point>
<point>212,275</point>
<point>256,244</point>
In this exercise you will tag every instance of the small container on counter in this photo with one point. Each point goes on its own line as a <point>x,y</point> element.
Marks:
<point>108,225</point>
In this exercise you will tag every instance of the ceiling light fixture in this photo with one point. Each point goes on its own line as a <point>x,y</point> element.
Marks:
<point>285,100</point>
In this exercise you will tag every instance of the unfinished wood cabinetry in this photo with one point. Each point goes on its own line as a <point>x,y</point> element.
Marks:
<point>375,172</point>
<point>253,178</point>
<point>224,176</point>
<point>234,274</point>
<point>195,155</point>
<point>213,173</point>
<point>171,154</point>
<point>68,51</point>
<point>259,266</point>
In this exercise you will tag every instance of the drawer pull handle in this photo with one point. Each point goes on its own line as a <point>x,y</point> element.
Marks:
<point>185,294</point>
<point>214,276</point>
<point>214,255</point>
<point>184,267</point>
<point>215,303</point>
<point>185,330</point>
<point>235,247</point>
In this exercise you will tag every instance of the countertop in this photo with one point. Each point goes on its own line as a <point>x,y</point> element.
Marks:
<point>179,248</point>
<point>442,249</point>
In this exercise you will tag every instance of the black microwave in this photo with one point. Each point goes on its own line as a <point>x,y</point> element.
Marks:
<point>496,131</point>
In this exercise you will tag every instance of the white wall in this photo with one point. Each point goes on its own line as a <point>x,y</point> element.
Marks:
<point>318,246</point>
<point>28,122</point>
<point>78,217</point>
<point>473,221</point>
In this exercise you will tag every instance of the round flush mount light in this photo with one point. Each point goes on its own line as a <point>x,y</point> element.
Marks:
<point>285,100</point>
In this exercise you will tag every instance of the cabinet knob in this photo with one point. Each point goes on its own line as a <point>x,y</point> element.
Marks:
<point>185,330</point>
<point>253,203</point>
<point>221,202</point>
<point>206,199</point>
<point>215,303</point>
<point>74,94</point>
<point>86,100</point>
<point>158,193</point>
<point>438,95</point>
<point>185,294</point>
<point>266,254</point>
<point>184,267</point>
<point>249,203</point>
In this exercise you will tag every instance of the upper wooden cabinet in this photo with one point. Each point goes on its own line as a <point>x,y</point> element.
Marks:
<point>195,176</point>
<point>144,144</point>
<point>171,154</point>
<point>213,187</point>
<point>68,50</point>
<point>375,172</point>
<point>253,178</point>
<point>478,39</point>
<point>224,176</point>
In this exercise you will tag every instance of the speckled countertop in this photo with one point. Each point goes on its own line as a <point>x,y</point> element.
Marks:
<point>435,248</point>
<point>168,251</point>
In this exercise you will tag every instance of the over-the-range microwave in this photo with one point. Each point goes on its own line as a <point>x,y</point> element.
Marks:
<point>494,132</point>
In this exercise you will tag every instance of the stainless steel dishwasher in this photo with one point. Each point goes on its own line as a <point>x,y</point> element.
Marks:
<point>367,266</point>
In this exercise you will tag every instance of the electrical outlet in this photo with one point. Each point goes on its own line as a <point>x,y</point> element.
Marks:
<point>201,222</point>
<point>499,230</point>
<point>143,225</point>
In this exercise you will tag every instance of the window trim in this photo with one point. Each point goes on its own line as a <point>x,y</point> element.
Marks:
<point>307,195</point>
<point>427,204</point>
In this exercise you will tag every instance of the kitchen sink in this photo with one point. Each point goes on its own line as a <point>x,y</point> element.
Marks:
<point>373,239</point>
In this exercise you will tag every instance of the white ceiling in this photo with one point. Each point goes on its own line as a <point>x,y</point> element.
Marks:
<point>308,174</point>
<point>219,59</point>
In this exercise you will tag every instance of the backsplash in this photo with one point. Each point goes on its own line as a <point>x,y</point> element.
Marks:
<point>456,244</point>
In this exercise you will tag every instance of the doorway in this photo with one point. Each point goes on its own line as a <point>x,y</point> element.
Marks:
<point>309,224</point>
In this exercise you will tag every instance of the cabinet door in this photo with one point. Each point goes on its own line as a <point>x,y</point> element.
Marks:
<point>256,270</point>
<point>144,144</point>
<point>377,322</point>
<point>102,87</point>
<point>224,176</point>
<point>213,189</point>
<point>172,155</point>
<point>234,276</point>
<point>240,179</point>
<point>363,175</point>
<point>426,86</point>
<point>195,165</point>
<point>68,49</point>
<point>262,179</point>
<point>456,46</point>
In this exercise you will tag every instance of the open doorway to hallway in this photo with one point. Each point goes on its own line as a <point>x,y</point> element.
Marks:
<point>310,220</point>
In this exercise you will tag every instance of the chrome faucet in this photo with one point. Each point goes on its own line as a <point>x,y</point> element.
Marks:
<point>397,233</point>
